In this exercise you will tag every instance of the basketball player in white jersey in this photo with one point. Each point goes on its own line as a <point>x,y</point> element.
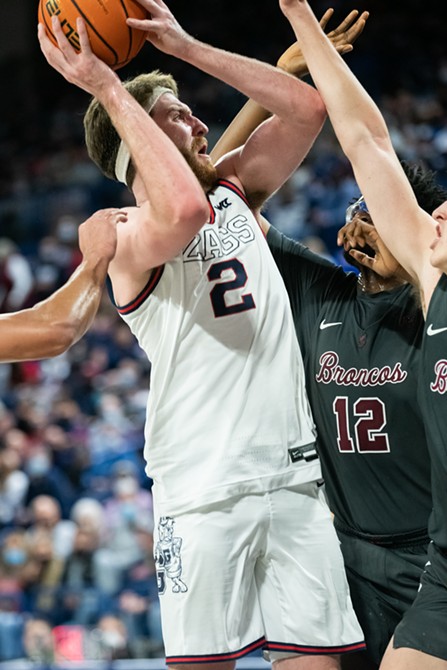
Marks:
<point>53,325</point>
<point>246,553</point>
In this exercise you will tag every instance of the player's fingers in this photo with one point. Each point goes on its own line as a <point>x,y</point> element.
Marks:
<point>62,42</point>
<point>346,23</point>
<point>356,30</point>
<point>326,16</point>
<point>43,38</point>
<point>152,6</point>
<point>341,235</point>
<point>83,36</point>
<point>344,48</point>
<point>362,258</point>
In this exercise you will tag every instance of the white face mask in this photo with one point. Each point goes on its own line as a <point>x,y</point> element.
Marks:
<point>126,485</point>
<point>112,639</point>
<point>38,465</point>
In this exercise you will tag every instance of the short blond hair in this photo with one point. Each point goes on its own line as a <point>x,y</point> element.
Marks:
<point>101,138</point>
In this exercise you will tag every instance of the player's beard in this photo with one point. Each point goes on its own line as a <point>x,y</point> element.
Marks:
<point>206,173</point>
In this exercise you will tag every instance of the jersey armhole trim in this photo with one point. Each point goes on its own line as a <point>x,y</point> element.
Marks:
<point>144,294</point>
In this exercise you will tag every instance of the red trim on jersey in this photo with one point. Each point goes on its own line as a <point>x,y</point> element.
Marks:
<point>141,297</point>
<point>241,194</point>
<point>302,649</point>
<point>212,212</point>
<point>234,188</point>
<point>210,658</point>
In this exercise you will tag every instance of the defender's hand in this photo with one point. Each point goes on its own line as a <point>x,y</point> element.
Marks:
<point>342,37</point>
<point>356,235</point>
<point>98,235</point>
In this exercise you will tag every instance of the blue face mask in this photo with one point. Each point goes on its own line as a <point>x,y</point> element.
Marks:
<point>14,556</point>
<point>129,512</point>
<point>38,466</point>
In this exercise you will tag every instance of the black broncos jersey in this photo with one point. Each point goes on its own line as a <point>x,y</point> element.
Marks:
<point>433,400</point>
<point>361,353</point>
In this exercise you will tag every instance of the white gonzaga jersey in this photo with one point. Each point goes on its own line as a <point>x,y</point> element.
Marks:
<point>227,409</point>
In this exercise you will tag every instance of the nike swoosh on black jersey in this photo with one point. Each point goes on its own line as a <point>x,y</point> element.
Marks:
<point>324,325</point>
<point>435,331</point>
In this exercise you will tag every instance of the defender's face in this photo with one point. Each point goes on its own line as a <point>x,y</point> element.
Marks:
<point>358,211</point>
<point>439,245</point>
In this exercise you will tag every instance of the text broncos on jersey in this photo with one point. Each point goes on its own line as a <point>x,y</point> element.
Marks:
<point>331,371</point>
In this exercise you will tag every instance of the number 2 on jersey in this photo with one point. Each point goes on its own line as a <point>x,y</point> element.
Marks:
<point>237,281</point>
<point>370,419</point>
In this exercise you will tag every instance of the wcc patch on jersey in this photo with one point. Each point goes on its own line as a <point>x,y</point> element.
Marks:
<point>168,557</point>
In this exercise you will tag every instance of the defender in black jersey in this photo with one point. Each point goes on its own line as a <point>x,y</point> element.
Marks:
<point>419,243</point>
<point>361,346</point>
<point>361,338</point>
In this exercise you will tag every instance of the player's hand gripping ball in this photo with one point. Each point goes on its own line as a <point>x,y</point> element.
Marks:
<point>111,39</point>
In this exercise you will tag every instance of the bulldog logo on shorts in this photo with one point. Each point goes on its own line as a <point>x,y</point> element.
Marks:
<point>168,558</point>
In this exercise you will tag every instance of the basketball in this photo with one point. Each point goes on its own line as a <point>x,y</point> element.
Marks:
<point>111,39</point>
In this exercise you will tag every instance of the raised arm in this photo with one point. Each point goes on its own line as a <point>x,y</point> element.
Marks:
<point>276,148</point>
<point>361,130</point>
<point>55,324</point>
<point>166,224</point>
<point>292,61</point>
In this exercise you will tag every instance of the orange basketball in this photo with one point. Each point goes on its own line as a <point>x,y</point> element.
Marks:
<point>111,38</point>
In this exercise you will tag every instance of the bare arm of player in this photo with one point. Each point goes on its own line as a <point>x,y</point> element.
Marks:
<point>293,62</point>
<point>359,125</point>
<point>164,224</point>
<point>55,324</point>
<point>277,146</point>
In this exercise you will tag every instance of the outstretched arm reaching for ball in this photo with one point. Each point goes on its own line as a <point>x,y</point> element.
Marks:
<point>360,127</point>
<point>55,324</point>
<point>292,61</point>
<point>277,146</point>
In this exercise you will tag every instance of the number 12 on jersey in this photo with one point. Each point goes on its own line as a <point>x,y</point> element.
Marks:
<point>369,419</point>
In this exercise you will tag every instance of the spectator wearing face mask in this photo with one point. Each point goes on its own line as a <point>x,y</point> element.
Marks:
<point>13,559</point>
<point>47,479</point>
<point>46,514</point>
<point>127,506</point>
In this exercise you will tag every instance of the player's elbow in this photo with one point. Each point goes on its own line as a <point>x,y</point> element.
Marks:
<point>319,112</point>
<point>192,214</point>
<point>310,114</point>
<point>366,137</point>
<point>60,337</point>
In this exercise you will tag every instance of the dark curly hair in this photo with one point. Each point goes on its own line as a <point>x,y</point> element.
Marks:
<point>429,193</point>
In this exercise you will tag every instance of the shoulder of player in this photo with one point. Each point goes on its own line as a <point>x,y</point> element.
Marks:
<point>135,237</point>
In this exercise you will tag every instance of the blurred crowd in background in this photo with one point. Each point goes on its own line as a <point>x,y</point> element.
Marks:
<point>77,576</point>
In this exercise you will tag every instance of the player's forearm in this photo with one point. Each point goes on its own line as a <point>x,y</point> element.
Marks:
<point>157,159</point>
<point>276,91</point>
<point>55,324</point>
<point>353,114</point>
<point>237,133</point>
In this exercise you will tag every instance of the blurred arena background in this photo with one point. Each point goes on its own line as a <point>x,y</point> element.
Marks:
<point>76,576</point>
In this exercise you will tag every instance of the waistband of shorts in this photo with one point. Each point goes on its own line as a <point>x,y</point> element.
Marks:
<point>396,540</point>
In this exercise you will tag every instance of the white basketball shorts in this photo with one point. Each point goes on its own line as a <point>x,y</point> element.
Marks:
<point>256,571</point>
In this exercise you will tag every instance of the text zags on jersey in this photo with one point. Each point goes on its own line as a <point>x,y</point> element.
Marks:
<point>219,241</point>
